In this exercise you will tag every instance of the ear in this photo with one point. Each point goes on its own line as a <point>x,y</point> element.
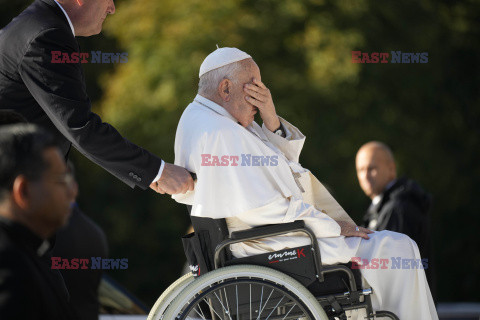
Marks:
<point>21,192</point>
<point>393,169</point>
<point>225,90</point>
<point>74,187</point>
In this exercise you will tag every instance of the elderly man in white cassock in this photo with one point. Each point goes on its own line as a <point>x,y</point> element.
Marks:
<point>251,175</point>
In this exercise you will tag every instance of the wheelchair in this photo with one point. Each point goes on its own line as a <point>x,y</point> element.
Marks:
<point>287,284</point>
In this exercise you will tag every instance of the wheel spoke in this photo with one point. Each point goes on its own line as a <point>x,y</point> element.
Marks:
<point>250,289</point>
<point>236,295</point>
<point>289,311</point>
<point>212,308</point>
<point>226,300</point>
<point>274,308</point>
<point>201,315</point>
<point>224,309</point>
<point>199,307</point>
<point>264,306</point>
<point>260,304</point>
<point>274,301</point>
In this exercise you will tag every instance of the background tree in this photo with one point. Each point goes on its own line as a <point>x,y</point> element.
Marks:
<point>428,113</point>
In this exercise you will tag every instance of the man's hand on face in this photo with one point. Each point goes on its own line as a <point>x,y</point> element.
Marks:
<point>350,230</point>
<point>260,97</point>
<point>174,180</point>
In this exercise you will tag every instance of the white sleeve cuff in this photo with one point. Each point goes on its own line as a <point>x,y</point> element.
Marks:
<point>291,145</point>
<point>288,134</point>
<point>160,171</point>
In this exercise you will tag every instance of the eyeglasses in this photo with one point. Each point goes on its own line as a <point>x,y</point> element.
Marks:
<point>64,179</point>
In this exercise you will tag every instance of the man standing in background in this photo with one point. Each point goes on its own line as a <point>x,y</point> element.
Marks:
<point>399,205</point>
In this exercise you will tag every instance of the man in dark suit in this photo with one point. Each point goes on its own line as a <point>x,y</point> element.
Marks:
<point>35,200</point>
<point>399,205</point>
<point>53,95</point>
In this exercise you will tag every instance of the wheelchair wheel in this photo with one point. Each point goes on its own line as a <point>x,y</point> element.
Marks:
<point>245,292</point>
<point>158,310</point>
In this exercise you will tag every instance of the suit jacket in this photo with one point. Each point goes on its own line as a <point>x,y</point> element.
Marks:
<point>53,95</point>
<point>404,208</point>
<point>29,288</point>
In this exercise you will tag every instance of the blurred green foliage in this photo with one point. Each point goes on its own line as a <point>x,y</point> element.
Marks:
<point>428,113</point>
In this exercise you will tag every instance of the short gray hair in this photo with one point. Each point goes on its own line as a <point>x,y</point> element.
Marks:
<point>208,84</point>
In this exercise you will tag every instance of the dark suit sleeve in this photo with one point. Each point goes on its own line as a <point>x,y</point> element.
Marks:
<point>60,90</point>
<point>407,218</point>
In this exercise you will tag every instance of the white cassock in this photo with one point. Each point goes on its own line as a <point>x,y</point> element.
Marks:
<point>252,177</point>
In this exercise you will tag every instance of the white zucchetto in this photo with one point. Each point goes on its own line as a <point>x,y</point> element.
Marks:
<point>221,57</point>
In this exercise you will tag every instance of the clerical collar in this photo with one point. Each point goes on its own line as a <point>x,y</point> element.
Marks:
<point>214,107</point>
<point>376,200</point>
<point>25,236</point>
<point>68,19</point>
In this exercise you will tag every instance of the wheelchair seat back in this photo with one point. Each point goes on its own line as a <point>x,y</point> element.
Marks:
<point>200,245</point>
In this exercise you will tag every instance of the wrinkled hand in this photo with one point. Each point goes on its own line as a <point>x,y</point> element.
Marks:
<point>348,230</point>
<point>174,180</point>
<point>260,97</point>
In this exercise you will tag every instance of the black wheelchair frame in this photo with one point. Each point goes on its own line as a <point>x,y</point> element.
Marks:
<point>337,288</point>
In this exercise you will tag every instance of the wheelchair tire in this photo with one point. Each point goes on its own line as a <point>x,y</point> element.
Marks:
<point>158,310</point>
<point>211,290</point>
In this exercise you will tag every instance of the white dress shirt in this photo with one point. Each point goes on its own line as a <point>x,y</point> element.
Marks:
<point>68,19</point>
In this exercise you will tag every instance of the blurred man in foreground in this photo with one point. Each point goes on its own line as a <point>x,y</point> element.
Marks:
<point>251,176</point>
<point>80,238</point>
<point>35,201</point>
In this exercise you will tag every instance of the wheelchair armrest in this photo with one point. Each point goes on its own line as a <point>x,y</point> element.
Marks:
<point>268,230</point>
